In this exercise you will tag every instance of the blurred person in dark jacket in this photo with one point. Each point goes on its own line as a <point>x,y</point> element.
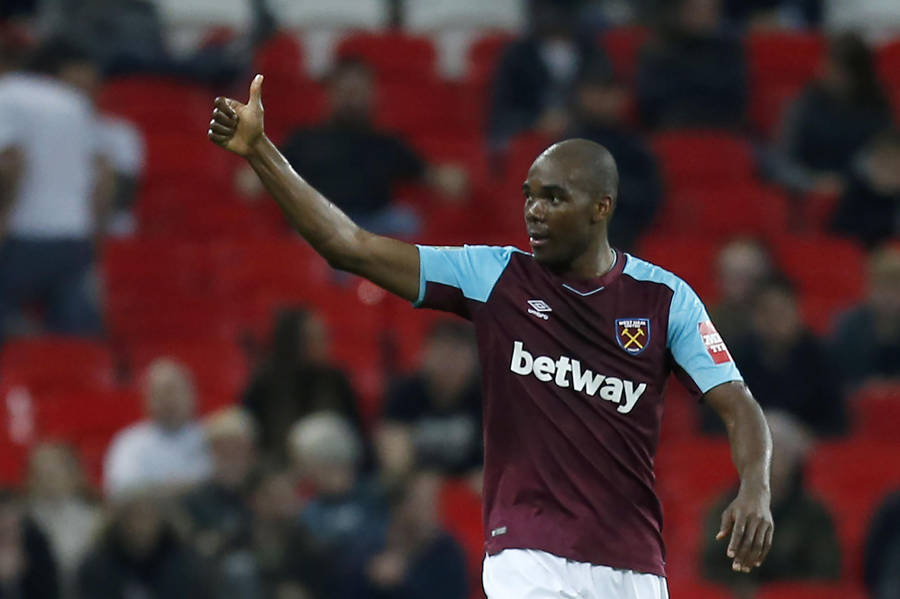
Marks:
<point>356,164</point>
<point>27,566</point>
<point>275,557</point>
<point>535,79</point>
<point>59,502</point>
<point>344,507</point>
<point>866,343</point>
<point>218,509</point>
<point>806,545</point>
<point>140,555</point>
<point>601,105</point>
<point>832,120</point>
<point>296,379</point>
<point>416,558</point>
<point>786,365</point>
<point>432,419</point>
<point>692,74</point>
<point>881,564</point>
<point>742,266</point>
<point>869,209</point>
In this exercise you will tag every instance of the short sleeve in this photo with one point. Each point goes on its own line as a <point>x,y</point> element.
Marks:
<point>452,278</point>
<point>695,344</point>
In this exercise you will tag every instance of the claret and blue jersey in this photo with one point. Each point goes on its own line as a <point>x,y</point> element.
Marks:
<point>574,373</point>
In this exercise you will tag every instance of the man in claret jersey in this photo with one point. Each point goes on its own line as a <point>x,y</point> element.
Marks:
<point>576,342</point>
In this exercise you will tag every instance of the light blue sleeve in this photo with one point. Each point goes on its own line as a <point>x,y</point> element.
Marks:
<point>694,343</point>
<point>450,275</point>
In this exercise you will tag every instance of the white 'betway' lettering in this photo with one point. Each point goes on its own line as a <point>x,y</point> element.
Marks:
<point>546,369</point>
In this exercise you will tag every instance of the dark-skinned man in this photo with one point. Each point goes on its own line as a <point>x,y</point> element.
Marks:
<point>576,342</point>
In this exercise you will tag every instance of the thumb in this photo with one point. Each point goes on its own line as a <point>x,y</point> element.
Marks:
<point>256,91</point>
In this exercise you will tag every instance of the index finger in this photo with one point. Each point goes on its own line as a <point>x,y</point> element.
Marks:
<point>737,535</point>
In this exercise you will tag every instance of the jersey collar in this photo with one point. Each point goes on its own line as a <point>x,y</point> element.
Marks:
<point>586,287</point>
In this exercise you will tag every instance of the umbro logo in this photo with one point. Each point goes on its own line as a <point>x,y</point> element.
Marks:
<point>539,308</point>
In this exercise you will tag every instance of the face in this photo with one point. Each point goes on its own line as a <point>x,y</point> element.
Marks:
<point>170,397</point>
<point>560,218</point>
<point>885,169</point>
<point>141,525</point>
<point>314,340</point>
<point>700,16</point>
<point>449,364</point>
<point>884,288</point>
<point>233,457</point>
<point>776,317</point>
<point>52,473</point>
<point>352,95</point>
<point>599,103</point>
<point>82,75</point>
<point>276,499</point>
<point>741,268</point>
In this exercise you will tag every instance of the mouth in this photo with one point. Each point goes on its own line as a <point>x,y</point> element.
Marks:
<point>538,238</point>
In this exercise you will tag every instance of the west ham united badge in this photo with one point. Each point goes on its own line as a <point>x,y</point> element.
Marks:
<point>633,334</point>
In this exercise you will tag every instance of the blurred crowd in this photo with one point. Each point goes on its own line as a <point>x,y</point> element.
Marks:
<point>291,493</point>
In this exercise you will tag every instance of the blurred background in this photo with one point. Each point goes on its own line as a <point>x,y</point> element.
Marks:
<point>193,405</point>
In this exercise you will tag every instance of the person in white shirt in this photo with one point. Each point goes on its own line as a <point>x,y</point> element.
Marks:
<point>53,188</point>
<point>168,450</point>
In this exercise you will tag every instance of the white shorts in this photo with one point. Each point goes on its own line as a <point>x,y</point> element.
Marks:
<point>530,574</point>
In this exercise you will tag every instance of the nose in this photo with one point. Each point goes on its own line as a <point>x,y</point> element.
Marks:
<point>535,211</point>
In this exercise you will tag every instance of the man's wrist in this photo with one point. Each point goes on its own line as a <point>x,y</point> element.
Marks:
<point>259,147</point>
<point>755,485</point>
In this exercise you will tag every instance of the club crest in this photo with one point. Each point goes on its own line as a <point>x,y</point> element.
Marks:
<point>633,334</point>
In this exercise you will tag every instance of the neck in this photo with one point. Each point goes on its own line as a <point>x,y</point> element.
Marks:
<point>595,262</point>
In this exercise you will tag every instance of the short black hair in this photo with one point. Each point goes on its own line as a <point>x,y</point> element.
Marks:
<point>56,53</point>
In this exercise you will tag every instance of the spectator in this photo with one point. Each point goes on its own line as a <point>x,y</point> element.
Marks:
<point>122,144</point>
<point>432,419</point>
<point>807,547</point>
<point>58,502</point>
<point>168,448</point>
<point>741,267</point>
<point>27,567</point>
<point>52,194</point>
<point>786,366</point>
<point>881,567</point>
<point>344,509</point>
<point>832,120</point>
<point>141,555</point>
<point>276,557</point>
<point>866,343</point>
<point>297,379</point>
<point>692,74</point>
<point>601,103</point>
<point>417,558</point>
<point>357,166</point>
<point>869,210</point>
<point>535,79</point>
<point>218,508</point>
<point>773,14</point>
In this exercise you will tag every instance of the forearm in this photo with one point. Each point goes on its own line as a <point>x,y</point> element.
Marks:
<point>330,232</point>
<point>751,443</point>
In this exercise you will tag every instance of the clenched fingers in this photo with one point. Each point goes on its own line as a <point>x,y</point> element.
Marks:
<point>220,129</point>
<point>227,107</point>
<point>744,558</point>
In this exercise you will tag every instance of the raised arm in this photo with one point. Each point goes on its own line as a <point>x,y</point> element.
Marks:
<point>748,518</point>
<point>387,262</point>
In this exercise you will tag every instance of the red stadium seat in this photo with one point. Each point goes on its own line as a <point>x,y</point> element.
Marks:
<point>158,105</point>
<point>425,108</point>
<point>694,158</point>
<point>56,362</point>
<point>394,55</point>
<point>72,416</point>
<point>781,63</point>
<point>623,46</point>
<point>460,510</point>
<point>484,55</point>
<point>171,317</point>
<point>853,476</point>
<point>829,273</point>
<point>889,62</point>
<point>723,212</point>
<point>877,412</point>
<point>811,590</point>
<point>691,258</point>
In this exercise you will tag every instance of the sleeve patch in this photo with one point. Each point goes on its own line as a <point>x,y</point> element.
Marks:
<point>713,342</point>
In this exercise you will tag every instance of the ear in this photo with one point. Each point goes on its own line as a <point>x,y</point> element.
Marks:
<point>603,209</point>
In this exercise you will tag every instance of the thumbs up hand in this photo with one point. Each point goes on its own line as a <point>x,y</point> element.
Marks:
<point>238,127</point>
